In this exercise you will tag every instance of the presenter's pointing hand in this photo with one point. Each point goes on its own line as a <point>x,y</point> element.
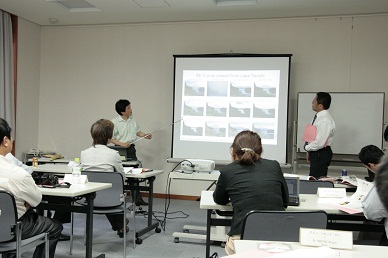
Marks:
<point>148,136</point>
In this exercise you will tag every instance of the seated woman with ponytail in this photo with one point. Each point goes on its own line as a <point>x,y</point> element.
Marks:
<point>249,183</point>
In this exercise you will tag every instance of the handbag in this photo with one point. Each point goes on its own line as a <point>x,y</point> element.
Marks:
<point>47,179</point>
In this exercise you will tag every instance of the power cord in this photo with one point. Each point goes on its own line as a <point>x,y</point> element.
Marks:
<point>167,201</point>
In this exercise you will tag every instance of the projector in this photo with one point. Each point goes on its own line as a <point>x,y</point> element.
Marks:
<point>198,165</point>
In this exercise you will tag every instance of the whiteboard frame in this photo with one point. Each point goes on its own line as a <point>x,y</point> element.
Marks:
<point>365,126</point>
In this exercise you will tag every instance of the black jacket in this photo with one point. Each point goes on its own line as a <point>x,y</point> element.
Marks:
<point>258,187</point>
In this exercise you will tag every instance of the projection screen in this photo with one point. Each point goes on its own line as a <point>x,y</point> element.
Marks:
<point>217,96</point>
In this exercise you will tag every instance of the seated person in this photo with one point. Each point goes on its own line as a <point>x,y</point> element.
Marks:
<point>249,183</point>
<point>382,182</point>
<point>63,217</point>
<point>15,180</point>
<point>372,207</point>
<point>370,156</point>
<point>17,162</point>
<point>382,176</point>
<point>100,157</point>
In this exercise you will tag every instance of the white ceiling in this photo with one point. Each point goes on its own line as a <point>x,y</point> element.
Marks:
<point>146,11</point>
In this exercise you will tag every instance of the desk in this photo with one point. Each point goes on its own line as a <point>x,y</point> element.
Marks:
<point>308,202</point>
<point>89,192</point>
<point>358,251</point>
<point>43,160</point>
<point>132,184</point>
<point>53,168</point>
<point>220,232</point>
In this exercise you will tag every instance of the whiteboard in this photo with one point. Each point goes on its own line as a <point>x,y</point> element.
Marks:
<point>359,119</point>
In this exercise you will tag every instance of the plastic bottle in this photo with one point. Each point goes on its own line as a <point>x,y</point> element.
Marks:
<point>344,172</point>
<point>76,172</point>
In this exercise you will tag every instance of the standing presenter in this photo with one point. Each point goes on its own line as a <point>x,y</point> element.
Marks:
<point>126,131</point>
<point>319,153</point>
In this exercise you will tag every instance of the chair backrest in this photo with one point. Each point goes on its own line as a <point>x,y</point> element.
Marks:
<point>280,225</point>
<point>110,197</point>
<point>311,186</point>
<point>8,216</point>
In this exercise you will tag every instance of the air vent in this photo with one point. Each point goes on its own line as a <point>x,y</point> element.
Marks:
<point>76,5</point>
<point>235,2</point>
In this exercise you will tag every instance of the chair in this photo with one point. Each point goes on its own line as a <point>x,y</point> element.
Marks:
<point>311,186</point>
<point>108,201</point>
<point>11,229</point>
<point>280,225</point>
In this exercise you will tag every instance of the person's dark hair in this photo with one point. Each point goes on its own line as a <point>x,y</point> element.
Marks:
<point>324,98</point>
<point>247,147</point>
<point>370,154</point>
<point>102,131</point>
<point>381,181</point>
<point>121,104</point>
<point>5,129</point>
<point>386,134</point>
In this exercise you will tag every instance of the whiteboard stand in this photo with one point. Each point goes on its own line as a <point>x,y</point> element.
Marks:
<point>294,163</point>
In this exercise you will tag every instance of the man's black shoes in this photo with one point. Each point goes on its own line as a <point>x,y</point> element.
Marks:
<point>141,202</point>
<point>63,237</point>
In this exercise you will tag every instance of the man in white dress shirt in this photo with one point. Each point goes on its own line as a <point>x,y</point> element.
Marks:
<point>319,153</point>
<point>18,163</point>
<point>372,206</point>
<point>16,181</point>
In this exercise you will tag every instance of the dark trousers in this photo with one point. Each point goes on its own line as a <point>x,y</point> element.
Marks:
<point>62,216</point>
<point>320,162</point>
<point>116,221</point>
<point>131,153</point>
<point>33,224</point>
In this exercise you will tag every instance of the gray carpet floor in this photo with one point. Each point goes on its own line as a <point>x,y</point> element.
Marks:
<point>160,245</point>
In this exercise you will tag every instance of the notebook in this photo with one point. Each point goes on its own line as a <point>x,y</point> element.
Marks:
<point>293,190</point>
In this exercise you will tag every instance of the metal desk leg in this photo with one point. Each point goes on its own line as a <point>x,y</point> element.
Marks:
<point>89,224</point>
<point>208,227</point>
<point>150,225</point>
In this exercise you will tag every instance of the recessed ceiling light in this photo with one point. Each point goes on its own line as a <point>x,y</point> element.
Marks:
<point>76,5</point>
<point>151,3</point>
<point>235,2</point>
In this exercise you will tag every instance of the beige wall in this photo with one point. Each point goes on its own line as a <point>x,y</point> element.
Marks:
<point>84,70</point>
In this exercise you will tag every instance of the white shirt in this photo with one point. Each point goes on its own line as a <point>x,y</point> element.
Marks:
<point>101,158</point>
<point>18,163</point>
<point>125,130</point>
<point>15,180</point>
<point>374,209</point>
<point>325,131</point>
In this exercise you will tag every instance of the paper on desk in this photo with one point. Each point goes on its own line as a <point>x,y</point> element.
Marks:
<point>136,171</point>
<point>319,252</point>
<point>252,253</point>
<point>127,169</point>
<point>352,204</point>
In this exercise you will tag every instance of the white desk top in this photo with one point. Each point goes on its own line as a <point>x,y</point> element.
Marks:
<point>201,176</point>
<point>75,190</point>
<point>65,169</point>
<point>358,251</point>
<point>308,202</point>
<point>66,161</point>
<point>144,174</point>
<point>48,160</point>
<point>53,168</point>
